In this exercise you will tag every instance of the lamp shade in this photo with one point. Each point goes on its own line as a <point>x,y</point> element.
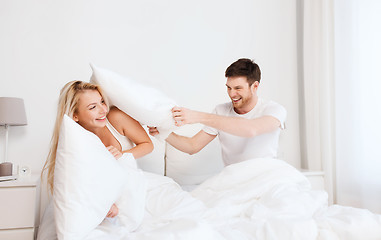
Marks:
<point>12,111</point>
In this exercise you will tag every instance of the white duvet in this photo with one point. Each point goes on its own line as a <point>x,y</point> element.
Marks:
<point>255,199</point>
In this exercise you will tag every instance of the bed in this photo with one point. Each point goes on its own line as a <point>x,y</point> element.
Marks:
<point>194,197</point>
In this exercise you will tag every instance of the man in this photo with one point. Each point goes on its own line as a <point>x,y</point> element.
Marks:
<point>248,126</point>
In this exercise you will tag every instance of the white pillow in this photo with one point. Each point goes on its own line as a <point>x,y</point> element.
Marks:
<point>133,200</point>
<point>87,181</point>
<point>147,105</point>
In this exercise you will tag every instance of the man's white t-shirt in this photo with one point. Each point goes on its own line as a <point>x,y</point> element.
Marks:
<point>237,149</point>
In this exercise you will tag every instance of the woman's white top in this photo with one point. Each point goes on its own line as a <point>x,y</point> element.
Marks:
<point>125,142</point>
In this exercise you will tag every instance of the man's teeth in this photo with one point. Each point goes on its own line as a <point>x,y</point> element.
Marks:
<point>102,118</point>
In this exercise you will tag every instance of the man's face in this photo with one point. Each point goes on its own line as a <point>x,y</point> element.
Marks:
<point>242,95</point>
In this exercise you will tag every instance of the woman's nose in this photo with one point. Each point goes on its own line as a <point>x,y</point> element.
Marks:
<point>103,108</point>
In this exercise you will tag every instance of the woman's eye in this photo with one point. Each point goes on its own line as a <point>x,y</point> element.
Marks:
<point>92,107</point>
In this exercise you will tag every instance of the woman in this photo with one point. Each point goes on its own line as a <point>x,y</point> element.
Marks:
<point>86,104</point>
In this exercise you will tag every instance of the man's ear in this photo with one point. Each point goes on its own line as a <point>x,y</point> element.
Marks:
<point>255,85</point>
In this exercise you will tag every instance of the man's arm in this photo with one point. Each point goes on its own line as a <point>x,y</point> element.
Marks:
<point>190,145</point>
<point>234,125</point>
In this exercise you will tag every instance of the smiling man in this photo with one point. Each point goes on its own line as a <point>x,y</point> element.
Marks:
<point>247,127</point>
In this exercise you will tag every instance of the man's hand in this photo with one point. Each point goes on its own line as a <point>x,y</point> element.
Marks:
<point>184,116</point>
<point>153,131</point>
<point>114,151</point>
<point>114,210</point>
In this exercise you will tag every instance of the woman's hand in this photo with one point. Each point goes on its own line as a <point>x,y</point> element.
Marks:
<point>114,210</point>
<point>153,131</point>
<point>114,151</point>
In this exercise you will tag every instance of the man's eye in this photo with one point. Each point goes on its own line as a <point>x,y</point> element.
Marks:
<point>92,107</point>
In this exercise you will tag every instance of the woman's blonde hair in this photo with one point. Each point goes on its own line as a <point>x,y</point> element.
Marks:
<point>67,104</point>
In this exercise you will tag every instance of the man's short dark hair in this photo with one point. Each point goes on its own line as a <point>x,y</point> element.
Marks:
<point>244,67</point>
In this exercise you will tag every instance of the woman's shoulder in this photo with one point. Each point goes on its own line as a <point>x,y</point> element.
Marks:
<point>115,112</point>
<point>117,118</point>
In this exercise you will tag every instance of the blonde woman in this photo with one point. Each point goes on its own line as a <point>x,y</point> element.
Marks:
<point>86,104</point>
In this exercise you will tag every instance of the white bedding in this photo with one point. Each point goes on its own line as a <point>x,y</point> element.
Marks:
<point>255,199</point>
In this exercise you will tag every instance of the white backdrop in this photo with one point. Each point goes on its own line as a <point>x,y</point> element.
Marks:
<point>180,47</point>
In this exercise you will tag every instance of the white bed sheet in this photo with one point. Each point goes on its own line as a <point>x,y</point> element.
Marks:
<point>255,199</point>
<point>189,188</point>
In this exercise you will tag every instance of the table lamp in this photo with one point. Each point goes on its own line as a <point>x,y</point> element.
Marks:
<point>12,113</point>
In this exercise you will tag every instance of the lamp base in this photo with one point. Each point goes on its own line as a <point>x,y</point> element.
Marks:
<point>6,169</point>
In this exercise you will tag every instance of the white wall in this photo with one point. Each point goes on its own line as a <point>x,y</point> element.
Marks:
<point>180,47</point>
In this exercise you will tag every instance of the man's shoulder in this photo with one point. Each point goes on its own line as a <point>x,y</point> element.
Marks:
<point>270,104</point>
<point>274,109</point>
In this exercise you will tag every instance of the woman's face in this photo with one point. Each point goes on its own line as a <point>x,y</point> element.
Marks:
<point>92,110</point>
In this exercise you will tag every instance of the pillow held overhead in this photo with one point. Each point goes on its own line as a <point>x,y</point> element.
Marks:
<point>147,105</point>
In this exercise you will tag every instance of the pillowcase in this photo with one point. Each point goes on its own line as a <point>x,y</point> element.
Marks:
<point>133,200</point>
<point>88,180</point>
<point>147,105</point>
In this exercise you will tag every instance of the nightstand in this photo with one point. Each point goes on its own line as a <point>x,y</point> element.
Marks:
<point>18,205</point>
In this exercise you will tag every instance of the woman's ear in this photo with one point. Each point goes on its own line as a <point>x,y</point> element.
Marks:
<point>75,118</point>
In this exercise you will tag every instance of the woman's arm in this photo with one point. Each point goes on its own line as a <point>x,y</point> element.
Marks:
<point>132,129</point>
